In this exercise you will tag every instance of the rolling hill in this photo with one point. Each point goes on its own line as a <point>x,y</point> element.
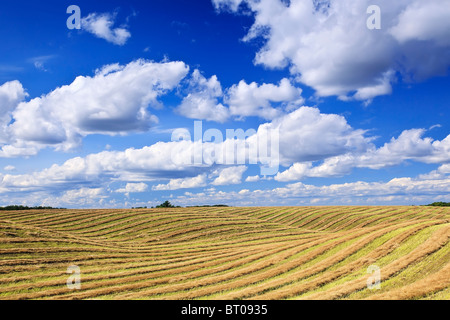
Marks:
<point>227,253</point>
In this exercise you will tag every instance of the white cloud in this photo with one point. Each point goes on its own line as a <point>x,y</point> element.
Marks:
<point>202,101</point>
<point>401,191</point>
<point>186,183</point>
<point>133,188</point>
<point>11,94</point>
<point>424,21</point>
<point>247,100</point>
<point>410,145</point>
<point>327,45</point>
<point>78,198</point>
<point>231,175</point>
<point>298,171</point>
<point>266,101</point>
<point>437,174</point>
<point>364,189</point>
<point>253,179</point>
<point>332,167</point>
<point>114,101</point>
<point>101,25</point>
<point>20,149</point>
<point>77,194</point>
<point>132,165</point>
<point>445,168</point>
<point>308,135</point>
<point>73,198</point>
<point>423,31</point>
<point>9,168</point>
<point>150,164</point>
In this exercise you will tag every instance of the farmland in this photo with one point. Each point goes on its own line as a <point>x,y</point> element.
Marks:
<point>227,253</point>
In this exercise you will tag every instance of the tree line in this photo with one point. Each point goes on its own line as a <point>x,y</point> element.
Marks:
<point>167,204</point>
<point>22,208</point>
<point>439,204</point>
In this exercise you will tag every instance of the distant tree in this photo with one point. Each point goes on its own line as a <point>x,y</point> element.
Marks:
<point>440,204</point>
<point>166,204</point>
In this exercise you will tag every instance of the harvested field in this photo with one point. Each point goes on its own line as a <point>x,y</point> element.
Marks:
<point>227,253</point>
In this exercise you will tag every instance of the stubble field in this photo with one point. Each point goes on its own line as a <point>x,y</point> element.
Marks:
<point>227,253</point>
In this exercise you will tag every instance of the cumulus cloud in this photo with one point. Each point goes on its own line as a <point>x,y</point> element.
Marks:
<point>256,100</point>
<point>133,188</point>
<point>297,172</point>
<point>397,186</point>
<point>150,163</point>
<point>253,179</point>
<point>424,21</point>
<point>102,26</point>
<point>338,166</point>
<point>11,94</point>
<point>144,164</point>
<point>438,174</point>
<point>113,101</point>
<point>410,145</point>
<point>83,196</point>
<point>445,168</point>
<point>231,175</point>
<point>307,134</point>
<point>74,198</point>
<point>312,144</point>
<point>185,183</point>
<point>396,191</point>
<point>202,101</point>
<point>207,100</point>
<point>327,45</point>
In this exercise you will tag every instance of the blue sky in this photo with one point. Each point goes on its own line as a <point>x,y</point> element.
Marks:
<point>360,114</point>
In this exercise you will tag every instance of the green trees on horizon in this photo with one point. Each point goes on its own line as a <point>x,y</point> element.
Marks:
<point>166,204</point>
<point>440,204</point>
<point>21,208</point>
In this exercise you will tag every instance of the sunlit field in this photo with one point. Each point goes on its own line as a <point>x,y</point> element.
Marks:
<point>227,253</point>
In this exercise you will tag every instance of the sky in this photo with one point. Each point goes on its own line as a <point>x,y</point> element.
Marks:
<point>114,104</point>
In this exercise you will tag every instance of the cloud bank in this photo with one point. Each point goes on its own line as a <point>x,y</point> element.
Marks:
<point>326,43</point>
<point>114,101</point>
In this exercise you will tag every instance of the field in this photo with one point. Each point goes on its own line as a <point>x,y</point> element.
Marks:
<point>227,253</point>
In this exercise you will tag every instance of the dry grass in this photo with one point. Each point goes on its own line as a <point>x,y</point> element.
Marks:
<point>226,253</point>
